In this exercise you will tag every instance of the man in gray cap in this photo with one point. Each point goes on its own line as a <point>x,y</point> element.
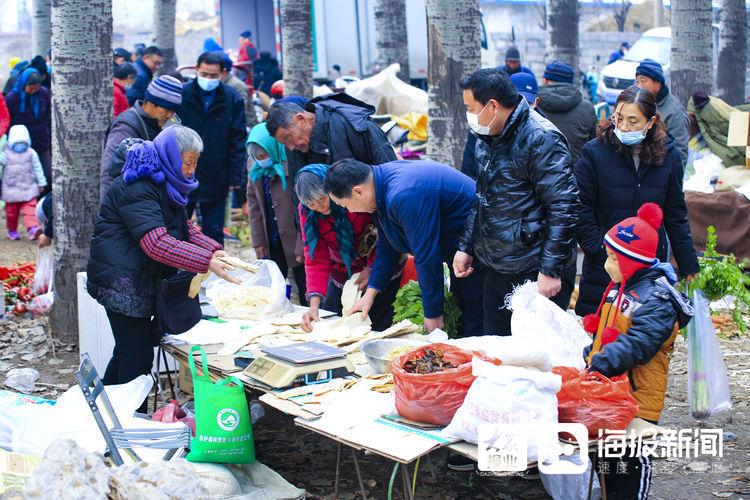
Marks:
<point>144,120</point>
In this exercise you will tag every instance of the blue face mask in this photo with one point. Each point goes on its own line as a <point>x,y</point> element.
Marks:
<point>630,138</point>
<point>208,84</point>
<point>20,147</point>
<point>265,163</point>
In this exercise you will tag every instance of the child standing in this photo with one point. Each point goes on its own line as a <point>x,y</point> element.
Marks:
<point>635,329</point>
<point>23,180</point>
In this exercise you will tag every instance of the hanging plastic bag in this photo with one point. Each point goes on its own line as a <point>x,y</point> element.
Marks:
<point>708,384</point>
<point>434,397</point>
<point>591,399</point>
<point>541,323</point>
<point>224,433</point>
<point>43,276</point>
<point>247,300</point>
<point>572,486</point>
<point>507,395</point>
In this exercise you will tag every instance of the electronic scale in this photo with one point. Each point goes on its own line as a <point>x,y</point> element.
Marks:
<point>304,363</point>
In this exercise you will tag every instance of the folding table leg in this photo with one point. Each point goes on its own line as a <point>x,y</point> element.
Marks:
<point>338,468</point>
<point>359,474</point>
<point>407,485</point>
<point>169,374</point>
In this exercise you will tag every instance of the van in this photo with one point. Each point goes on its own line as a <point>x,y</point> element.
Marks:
<point>654,44</point>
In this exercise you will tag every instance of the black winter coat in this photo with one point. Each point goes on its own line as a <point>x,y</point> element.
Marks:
<point>222,128</point>
<point>524,216</point>
<point>343,129</point>
<point>573,115</point>
<point>612,190</point>
<point>121,277</point>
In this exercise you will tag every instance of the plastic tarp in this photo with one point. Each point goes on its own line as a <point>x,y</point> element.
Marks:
<point>388,94</point>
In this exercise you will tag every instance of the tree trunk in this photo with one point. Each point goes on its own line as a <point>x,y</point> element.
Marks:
<point>391,40</point>
<point>453,38</point>
<point>296,44</point>
<point>81,94</point>
<point>691,58</point>
<point>730,75</point>
<point>562,31</point>
<point>41,27</point>
<point>164,14</point>
<point>658,13</point>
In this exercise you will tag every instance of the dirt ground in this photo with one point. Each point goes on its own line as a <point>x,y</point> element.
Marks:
<point>308,461</point>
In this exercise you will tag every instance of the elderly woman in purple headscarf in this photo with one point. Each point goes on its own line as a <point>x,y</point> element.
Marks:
<point>142,234</point>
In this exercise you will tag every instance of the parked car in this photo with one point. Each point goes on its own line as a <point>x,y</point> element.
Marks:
<point>654,44</point>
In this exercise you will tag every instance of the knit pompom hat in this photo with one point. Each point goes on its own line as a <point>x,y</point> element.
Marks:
<point>635,241</point>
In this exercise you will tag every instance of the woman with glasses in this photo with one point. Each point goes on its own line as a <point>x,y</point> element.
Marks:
<point>338,244</point>
<point>632,161</point>
<point>273,225</point>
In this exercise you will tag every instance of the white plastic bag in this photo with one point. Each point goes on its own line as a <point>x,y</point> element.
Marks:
<point>571,486</point>
<point>708,384</point>
<point>507,395</point>
<point>45,261</point>
<point>541,323</point>
<point>268,276</point>
<point>34,427</point>
<point>513,351</point>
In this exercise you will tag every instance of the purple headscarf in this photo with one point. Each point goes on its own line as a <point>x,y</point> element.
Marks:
<point>159,161</point>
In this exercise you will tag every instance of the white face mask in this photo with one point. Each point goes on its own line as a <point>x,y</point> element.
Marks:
<point>473,121</point>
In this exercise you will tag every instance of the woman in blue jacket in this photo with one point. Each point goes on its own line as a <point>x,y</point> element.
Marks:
<point>632,161</point>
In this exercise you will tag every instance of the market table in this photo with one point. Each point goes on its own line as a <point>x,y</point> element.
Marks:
<point>394,441</point>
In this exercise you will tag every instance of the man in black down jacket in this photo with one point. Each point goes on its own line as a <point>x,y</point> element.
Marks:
<point>564,105</point>
<point>329,128</point>
<point>217,113</point>
<point>524,217</point>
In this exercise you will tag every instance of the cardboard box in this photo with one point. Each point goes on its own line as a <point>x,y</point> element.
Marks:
<point>739,133</point>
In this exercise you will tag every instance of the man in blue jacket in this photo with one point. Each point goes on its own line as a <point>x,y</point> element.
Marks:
<point>145,67</point>
<point>421,209</point>
<point>217,112</point>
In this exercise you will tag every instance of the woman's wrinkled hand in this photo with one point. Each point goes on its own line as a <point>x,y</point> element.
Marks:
<point>221,268</point>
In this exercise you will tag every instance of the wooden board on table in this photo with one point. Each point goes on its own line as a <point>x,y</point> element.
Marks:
<point>387,440</point>
<point>286,406</point>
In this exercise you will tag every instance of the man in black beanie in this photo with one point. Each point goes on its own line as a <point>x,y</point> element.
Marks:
<point>513,63</point>
<point>649,75</point>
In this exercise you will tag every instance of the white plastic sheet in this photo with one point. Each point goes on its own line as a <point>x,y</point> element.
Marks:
<point>388,94</point>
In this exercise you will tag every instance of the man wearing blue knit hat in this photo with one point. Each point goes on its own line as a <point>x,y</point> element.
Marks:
<point>563,104</point>
<point>144,120</point>
<point>649,75</point>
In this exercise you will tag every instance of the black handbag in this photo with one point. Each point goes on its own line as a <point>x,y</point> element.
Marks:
<point>176,312</point>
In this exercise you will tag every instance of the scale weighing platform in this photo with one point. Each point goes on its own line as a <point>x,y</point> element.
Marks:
<point>305,363</point>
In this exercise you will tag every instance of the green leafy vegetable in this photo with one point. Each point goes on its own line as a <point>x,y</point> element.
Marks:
<point>408,305</point>
<point>721,275</point>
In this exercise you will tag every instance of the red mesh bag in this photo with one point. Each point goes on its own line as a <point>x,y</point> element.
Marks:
<point>434,397</point>
<point>591,399</point>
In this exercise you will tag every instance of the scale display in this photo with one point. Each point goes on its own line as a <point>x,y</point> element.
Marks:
<point>299,364</point>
